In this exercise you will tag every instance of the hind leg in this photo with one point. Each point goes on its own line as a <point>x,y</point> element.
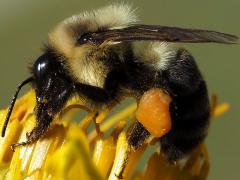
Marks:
<point>153,117</point>
<point>138,135</point>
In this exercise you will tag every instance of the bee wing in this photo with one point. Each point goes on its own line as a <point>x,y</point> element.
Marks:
<point>140,32</point>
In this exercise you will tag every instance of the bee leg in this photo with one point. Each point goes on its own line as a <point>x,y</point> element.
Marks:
<point>40,129</point>
<point>13,146</point>
<point>33,136</point>
<point>127,147</point>
<point>97,125</point>
<point>138,135</point>
<point>100,116</point>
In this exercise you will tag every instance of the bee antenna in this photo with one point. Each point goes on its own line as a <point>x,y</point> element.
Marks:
<point>28,80</point>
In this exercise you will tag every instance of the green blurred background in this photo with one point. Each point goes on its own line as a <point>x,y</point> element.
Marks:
<point>24,26</point>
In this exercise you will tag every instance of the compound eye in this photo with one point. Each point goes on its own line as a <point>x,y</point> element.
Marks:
<point>42,67</point>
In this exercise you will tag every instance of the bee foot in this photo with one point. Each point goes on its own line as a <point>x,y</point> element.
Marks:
<point>13,146</point>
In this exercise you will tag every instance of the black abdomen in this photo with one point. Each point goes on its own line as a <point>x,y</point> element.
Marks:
<point>190,118</point>
<point>189,109</point>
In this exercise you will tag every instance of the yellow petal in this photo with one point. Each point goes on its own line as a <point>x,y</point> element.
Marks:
<point>125,159</point>
<point>109,123</point>
<point>73,159</point>
<point>11,136</point>
<point>4,169</point>
<point>220,109</point>
<point>157,167</point>
<point>64,152</point>
<point>103,154</point>
<point>22,155</point>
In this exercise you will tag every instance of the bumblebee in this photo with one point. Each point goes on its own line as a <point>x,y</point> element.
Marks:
<point>103,56</point>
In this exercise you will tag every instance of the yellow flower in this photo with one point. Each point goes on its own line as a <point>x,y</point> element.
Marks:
<point>70,151</point>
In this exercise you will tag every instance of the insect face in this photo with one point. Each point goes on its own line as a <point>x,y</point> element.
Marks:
<point>53,88</point>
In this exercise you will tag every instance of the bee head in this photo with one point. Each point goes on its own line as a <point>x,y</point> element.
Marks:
<point>52,84</point>
<point>43,68</point>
